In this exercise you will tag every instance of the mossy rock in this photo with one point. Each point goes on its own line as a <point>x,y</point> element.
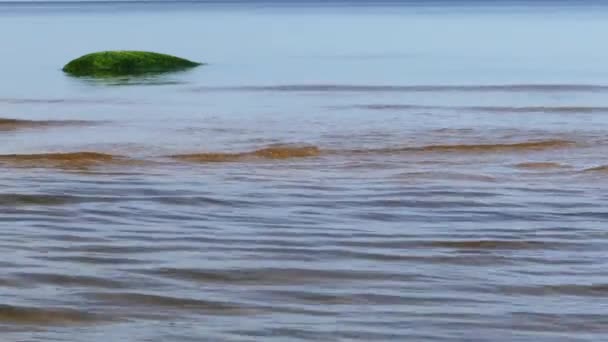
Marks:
<point>121,63</point>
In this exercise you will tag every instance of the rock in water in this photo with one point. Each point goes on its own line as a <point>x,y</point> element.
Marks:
<point>121,63</point>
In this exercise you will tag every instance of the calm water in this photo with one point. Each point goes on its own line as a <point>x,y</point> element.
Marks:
<point>338,172</point>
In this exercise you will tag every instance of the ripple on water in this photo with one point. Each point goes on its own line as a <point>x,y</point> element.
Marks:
<point>39,200</point>
<point>329,88</point>
<point>92,260</point>
<point>287,152</point>
<point>86,160</point>
<point>540,165</point>
<point>524,146</point>
<point>598,169</point>
<point>582,290</point>
<point>487,109</point>
<point>16,124</point>
<point>445,175</point>
<point>272,276</point>
<point>502,244</point>
<point>46,316</point>
<point>65,280</point>
<point>273,152</point>
<point>67,160</point>
<point>134,299</point>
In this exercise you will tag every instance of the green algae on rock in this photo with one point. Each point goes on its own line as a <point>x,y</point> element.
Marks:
<point>121,63</point>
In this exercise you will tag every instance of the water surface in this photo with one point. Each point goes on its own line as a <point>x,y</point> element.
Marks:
<point>340,171</point>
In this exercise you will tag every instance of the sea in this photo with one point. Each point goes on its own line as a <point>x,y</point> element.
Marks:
<point>338,170</point>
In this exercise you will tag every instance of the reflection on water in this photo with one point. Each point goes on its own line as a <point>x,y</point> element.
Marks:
<point>146,79</point>
<point>455,194</point>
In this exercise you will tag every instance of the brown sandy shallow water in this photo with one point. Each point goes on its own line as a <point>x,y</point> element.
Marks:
<point>448,231</point>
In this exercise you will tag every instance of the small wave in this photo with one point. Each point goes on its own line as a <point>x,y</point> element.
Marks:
<point>540,165</point>
<point>480,148</point>
<point>287,152</point>
<point>283,152</point>
<point>44,316</point>
<point>63,101</point>
<point>599,169</point>
<point>151,300</point>
<point>489,109</point>
<point>522,146</point>
<point>68,280</point>
<point>273,152</point>
<point>495,244</point>
<point>410,88</point>
<point>69,160</point>
<point>586,290</point>
<point>10,283</point>
<point>269,276</point>
<point>453,176</point>
<point>92,260</point>
<point>25,199</point>
<point>15,124</point>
